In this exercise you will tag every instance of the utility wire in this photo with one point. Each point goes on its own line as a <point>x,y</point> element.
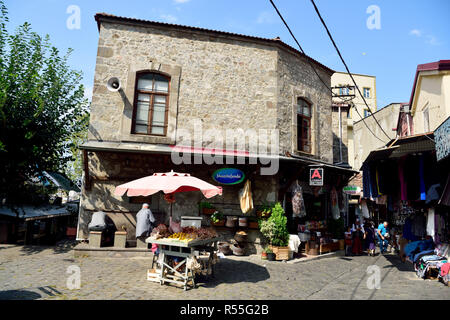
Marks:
<point>346,67</point>
<point>326,86</point>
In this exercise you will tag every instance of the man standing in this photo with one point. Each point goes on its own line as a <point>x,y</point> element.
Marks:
<point>144,220</point>
<point>382,234</point>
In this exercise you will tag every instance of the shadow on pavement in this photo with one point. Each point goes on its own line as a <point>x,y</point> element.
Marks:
<point>397,263</point>
<point>19,295</point>
<point>61,247</point>
<point>232,271</point>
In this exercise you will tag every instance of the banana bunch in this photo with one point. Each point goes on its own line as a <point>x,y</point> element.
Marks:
<point>181,236</point>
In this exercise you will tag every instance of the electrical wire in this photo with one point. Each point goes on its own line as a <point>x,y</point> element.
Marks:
<point>346,67</point>
<point>326,86</point>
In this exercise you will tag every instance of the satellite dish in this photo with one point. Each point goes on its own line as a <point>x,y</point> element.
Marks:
<point>113,84</point>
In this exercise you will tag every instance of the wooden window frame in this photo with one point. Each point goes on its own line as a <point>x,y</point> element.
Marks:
<point>152,95</point>
<point>304,142</point>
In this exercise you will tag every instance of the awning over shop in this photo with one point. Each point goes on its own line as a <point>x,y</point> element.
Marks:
<point>29,213</point>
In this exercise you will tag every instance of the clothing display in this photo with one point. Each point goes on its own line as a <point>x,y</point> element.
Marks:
<point>245,198</point>
<point>298,204</point>
<point>365,209</point>
<point>430,223</point>
<point>335,212</point>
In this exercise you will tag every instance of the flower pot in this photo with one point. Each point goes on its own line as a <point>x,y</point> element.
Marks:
<point>240,237</point>
<point>271,256</point>
<point>208,211</point>
<point>264,255</point>
<point>221,223</point>
<point>238,250</point>
<point>231,222</point>
<point>242,222</point>
<point>341,244</point>
<point>253,225</point>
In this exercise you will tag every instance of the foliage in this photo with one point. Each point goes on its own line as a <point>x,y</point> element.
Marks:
<point>205,205</point>
<point>275,228</point>
<point>281,235</point>
<point>42,107</point>
<point>217,217</point>
<point>267,250</point>
<point>74,168</point>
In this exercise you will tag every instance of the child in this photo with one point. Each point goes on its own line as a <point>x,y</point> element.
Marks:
<point>370,239</point>
<point>348,242</point>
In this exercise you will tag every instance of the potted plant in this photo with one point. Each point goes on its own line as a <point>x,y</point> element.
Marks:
<point>217,219</point>
<point>264,253</point>
<point>264,211</point>
<point>274,229</point>
<point>270,254</point>
<point>206,208</point>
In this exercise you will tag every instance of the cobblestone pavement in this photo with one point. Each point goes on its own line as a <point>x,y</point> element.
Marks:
<point>41,273</point>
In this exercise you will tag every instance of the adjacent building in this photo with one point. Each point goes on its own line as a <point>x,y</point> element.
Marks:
<point>349,108</point>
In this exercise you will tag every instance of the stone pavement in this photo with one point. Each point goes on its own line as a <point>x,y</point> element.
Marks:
<point>41,273</point>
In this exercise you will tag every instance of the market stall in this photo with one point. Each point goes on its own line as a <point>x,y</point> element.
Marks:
<point>177,246</point>
<point>180,255</point>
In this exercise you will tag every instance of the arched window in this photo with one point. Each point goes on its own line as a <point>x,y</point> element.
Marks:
<point>304,115</point>
<point>151,104</point>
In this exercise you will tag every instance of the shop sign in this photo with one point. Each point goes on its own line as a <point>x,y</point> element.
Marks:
<point>316,177</point>
<point>228,176</point>
<point>351,190</point>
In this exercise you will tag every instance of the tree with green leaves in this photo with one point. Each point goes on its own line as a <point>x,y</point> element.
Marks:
<point>42,108</point>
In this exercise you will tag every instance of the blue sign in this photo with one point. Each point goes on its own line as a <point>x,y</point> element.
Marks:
<point>228,176</point>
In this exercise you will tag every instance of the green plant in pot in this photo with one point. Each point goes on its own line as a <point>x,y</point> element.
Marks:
<point>265,252</point>
<point>274,229</point>
<point>217,218</point>
<point>206,208</point>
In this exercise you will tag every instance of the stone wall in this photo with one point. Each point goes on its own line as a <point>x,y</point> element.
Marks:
<point>223,83</point>
<point>217,83</point>
<point>297,79</point>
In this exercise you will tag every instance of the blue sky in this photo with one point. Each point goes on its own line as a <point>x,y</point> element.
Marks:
<point>412,31</point>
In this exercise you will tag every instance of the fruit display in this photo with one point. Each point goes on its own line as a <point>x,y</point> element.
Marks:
<point>183,237</point>
<point>186,235</point>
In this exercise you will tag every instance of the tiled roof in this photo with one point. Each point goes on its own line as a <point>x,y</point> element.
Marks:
<point>100,17</point>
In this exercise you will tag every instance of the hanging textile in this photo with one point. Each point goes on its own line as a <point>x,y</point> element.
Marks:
<point>335,212</point>
<point>422,178</point>
<point>431,223</point>
<point>245,197</point>
<point>366,181</point>
<point>365,209</point>
<point>401,177</point>
<point>298,204</point>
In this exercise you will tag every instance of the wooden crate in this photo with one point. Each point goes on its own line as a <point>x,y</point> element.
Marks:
<point>281,253</point>
<point>153,275</point>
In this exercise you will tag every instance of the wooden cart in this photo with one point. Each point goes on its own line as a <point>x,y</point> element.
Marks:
<point>173,248</point>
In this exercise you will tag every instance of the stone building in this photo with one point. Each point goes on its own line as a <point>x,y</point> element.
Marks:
<point>180,84</point>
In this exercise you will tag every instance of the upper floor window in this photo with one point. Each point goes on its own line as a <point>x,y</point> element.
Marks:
<point>343,91</point>
<point>366,113</point>
<point>303,125</point>
<point>426,120</point>
<point>366,92</point>
<point>151,104</point>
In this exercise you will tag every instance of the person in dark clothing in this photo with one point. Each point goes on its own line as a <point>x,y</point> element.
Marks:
<point>370,238</point>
